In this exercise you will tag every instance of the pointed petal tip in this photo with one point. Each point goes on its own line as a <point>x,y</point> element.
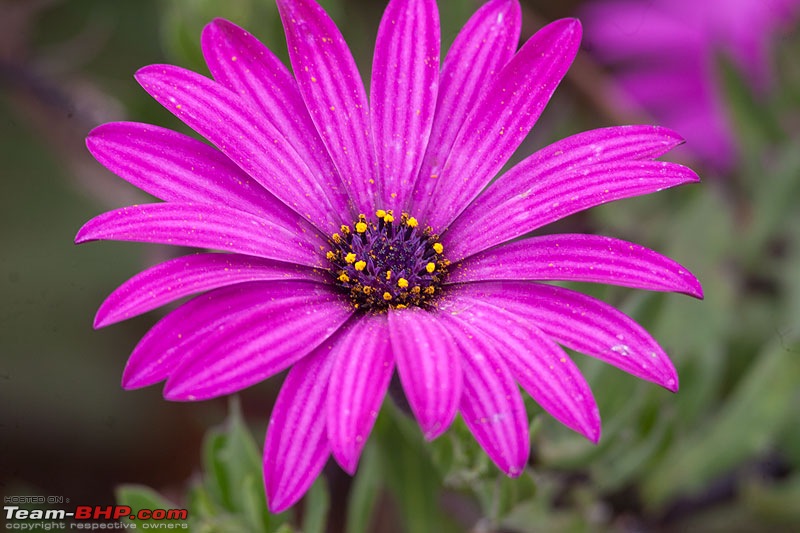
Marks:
<point>348,462</point>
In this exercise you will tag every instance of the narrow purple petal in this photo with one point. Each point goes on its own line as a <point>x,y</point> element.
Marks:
<point>334,95</point>
<point>491,404</point>
<point>244,347</point>
<point>505,212</point>
<point>405,81</point>
<point>244,65</point>
<point>359,379</point>
<point>206,226</point>
<point>428,362</point>
<point>486,43</point>
<point>184,276</point>
<point>177,168</point>
<point>296,448</point>
<point>579,257</point>
<point>584,324</point>
<point>589,169</point>
<point>501,119</point>
<point>229,122</point>
<point>540,366</point>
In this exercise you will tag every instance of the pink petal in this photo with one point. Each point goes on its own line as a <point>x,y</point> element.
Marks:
<point>246,347</point>
<point>184,276</point>
<point>501,120</point>
<point>239,132</point>
<point>579,258</point>
<point>428,362</point>
<point>405,79</point>
<point>584,324</point>
<point>296,448</point>
<point>571,175</point>
<point>491,404</point>
<point>540,366</point>
<point>206,226</point>
<point>361,374</point>
<point>241,63</point>
<point>486,43</point>
<point>177,168</point>
<point>334,95</point>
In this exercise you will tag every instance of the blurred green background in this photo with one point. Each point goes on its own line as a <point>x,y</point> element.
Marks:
<point>721,455</point>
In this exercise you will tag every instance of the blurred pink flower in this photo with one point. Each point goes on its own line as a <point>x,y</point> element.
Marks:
<point>361,240</point>
<point>665,56</point>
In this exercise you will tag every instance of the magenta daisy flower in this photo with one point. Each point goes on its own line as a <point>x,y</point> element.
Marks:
<point>666,54</point>
<point>362,238</point>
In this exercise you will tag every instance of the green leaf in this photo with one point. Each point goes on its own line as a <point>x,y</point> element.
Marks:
<point>317,504</point>
<point>139,497</point>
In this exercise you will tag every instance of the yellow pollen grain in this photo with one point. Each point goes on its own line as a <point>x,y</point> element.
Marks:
<point>367,290</point>
<point>345,229</point>
<point>438,247</point>
<point>401,306</point>
<point>402,283</point>
<point>380,213</point>
<point>336,238</point>
<point>430,267</point>
<point>360,265</point>
<point>412,222</point>
<point>429,290</point>
<point>388,274</point>
<point>361,227</point>
<point>344,278</point>
<point>388,218</point>
<point>415,290</point>
<point>387,296</point>
<point>330,255</point>
<point>350,258</point>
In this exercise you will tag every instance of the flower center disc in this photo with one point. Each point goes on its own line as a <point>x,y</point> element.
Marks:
<point>387,263</point>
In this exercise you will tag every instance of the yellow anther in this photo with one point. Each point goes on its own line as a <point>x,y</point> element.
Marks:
<point>367,289</point>
<point>415,289</point>
<point>400,306</point>
<point>387,296</point>
<point>402,283</point>
<point>412,222</point>
<point>380,213</point>
<point>360,265</point>
<point>388,274</point>
<point>330,255</point>
<point>344,278</point>
<point>350,258</point>
<point>361,227</point>
<point>336,238</point>
<point>430,267</point>
<point>429,290</point>
<point>388,218</point>
<point>438,247</point>
<point>345,229</point>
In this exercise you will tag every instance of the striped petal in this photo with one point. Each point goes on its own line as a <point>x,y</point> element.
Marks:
<point>574,174</point>
<point>486,43</point>
<point>176,168</point>
<point>184,276</point>
<point>244,65</point>
<point>579,258</point>
<point>583,324</point>
<point>296,448</point>
<point>428,362</point>
<point>245,348</point>
<point>491,405</point>
<point>334,95</point>
<point>359,379</point>
<point>501,120</point>
<point>540,366</point>
<point>259,149</point>
<point>405,69</point>
<point>206,226</point>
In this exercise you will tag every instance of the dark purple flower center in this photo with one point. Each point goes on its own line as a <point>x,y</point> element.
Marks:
<point>387,262</point>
